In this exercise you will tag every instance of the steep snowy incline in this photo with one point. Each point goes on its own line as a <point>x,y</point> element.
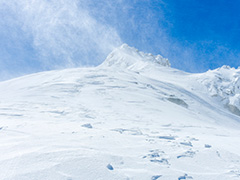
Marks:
<point>131,118</point>
<point>222,83</point>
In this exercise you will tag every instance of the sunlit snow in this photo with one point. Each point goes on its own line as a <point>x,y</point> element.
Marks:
<point>131,118</point>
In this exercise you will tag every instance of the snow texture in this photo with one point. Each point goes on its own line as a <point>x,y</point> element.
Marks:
<point>131,118</point>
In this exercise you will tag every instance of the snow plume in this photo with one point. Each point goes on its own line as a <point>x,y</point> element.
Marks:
<point>146,26</point>
<point>61,33</point>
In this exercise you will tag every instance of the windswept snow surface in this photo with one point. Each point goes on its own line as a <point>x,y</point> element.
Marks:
<point>132,118</point>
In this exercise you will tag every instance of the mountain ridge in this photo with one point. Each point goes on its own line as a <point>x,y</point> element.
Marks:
<point>222,83</point>
<point>135,120</point>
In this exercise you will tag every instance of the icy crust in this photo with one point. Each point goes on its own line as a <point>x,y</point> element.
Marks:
<point>224,82</point>
<point>131,58</point>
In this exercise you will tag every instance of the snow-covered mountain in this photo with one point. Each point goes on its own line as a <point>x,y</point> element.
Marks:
<point>131,118</point>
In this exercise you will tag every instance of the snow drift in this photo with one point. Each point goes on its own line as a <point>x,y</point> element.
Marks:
<point>132,118</point>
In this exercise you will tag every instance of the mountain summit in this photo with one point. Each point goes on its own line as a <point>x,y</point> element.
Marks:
<point>132,58</point>
<point>133,117</point>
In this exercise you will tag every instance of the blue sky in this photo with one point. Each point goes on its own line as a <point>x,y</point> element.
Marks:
<point>38,35</point>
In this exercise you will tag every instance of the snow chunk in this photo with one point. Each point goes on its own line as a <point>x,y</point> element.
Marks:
<point>131,58</point>
<point>87,126</point>
<point>110,167</point>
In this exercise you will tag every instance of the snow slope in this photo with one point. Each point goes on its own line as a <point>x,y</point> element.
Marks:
<point>132,118</point>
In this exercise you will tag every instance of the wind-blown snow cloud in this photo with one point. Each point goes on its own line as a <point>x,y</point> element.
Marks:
<point>37,35</point>
<point>61,33</point>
